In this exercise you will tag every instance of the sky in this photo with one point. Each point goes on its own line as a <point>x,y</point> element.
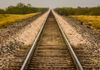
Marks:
<point>52,3</point>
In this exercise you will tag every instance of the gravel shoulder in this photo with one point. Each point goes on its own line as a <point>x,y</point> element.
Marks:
<point>16,40</point>
<point>82,39</point>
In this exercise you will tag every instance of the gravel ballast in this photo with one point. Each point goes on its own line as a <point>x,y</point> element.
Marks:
<point>81,38</point>
<point>16,40</point>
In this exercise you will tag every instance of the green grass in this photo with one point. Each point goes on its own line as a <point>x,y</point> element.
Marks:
<point>7,19</point>
<point>93,21</point>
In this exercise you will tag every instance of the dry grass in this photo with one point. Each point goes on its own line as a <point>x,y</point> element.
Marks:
<point>93,21</point>
<point>7,19</point>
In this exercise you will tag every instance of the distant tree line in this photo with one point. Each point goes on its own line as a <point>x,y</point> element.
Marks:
<point>21,8</point>
<point>79,11</point>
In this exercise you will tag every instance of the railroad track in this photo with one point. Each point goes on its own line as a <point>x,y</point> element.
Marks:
<point>51,50</point>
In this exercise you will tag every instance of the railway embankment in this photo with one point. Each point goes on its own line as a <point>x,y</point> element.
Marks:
<point>85,44</point>
<point>17,38</point>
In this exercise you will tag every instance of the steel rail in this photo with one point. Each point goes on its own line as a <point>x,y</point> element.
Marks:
<point>31,51</point>
<point>73,55</point>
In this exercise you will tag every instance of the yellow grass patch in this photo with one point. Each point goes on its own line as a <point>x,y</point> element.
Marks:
<point>93,21</point>
<point>7,19</point>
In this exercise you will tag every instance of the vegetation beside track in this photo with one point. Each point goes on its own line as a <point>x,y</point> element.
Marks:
<point>7,19</point>
<point>88,15</point>
<point>79,11</point>
<point>18,13</point>
<point>93,21</point>
<point>21,8</point>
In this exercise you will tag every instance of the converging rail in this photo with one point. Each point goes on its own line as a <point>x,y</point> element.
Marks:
<point>51,50</point>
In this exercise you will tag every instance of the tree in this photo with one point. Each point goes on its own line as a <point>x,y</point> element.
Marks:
<point>2,11</point>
